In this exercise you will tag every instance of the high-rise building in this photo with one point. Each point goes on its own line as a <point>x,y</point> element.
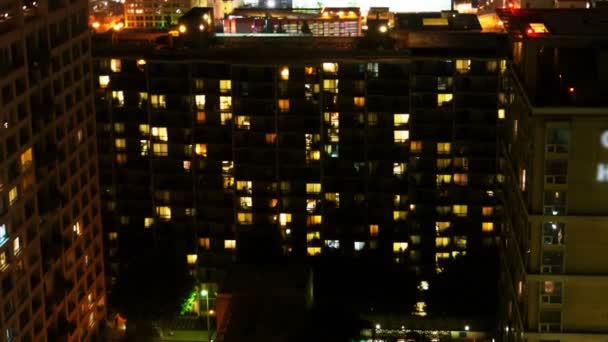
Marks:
<point>256,148</point>
<point>555,154</point>
<point>51,255</point>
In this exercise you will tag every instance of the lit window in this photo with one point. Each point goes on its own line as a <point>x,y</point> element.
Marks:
<point>310,70</point>
<point>120,144</point>
<point>225,118</point>
<point>119,97</point>
<point>311,251</point>
<point>522,179</point>
<point>3,260</point>
<point>442,241</point>
<point>463,66</point>
<point>399,215</point>
<point>359,245</point>
<point>538,28</point>
<point>205,243</point>
<point>487,226</point>
<point>243,122</point>
<point>245,202</point>
<point>284,73</point>
<point>443,163</point>
<point>191,259</point>
<point>119,128</point>
<point>229,244</point>
<point>399,169</point>
<point>487,211</point>
<point>312,236</point>
<point>245,186</point>
<point>190,211</point>
<point>158,101</point>
<point>501,113</point>
<point>160,133</point>
<point>399,247</point>
<point>201,117</point>
<point>148,222</point>
<point>283,105</point>
<point>460,242</point>
<point>359,101</point>
<point>115,65</point>
<point>401,136</point>
<point>16,246</point>
<point>313,188</point>
<point>160,149</point>
<point>200,149</point>
<point>144,129</point>
<point>333,197</point>
<point>226,103</point>
<point>284,219</point>
<point>200,101</point>
<point>373,230</point>
<point>334,244</point>
<point>225,86</point>
<point>441,226</point>
<point>143,98</point>
<point>112,236</point>
<point>461,179</point>
<point>444,99</point>
<point>271,138</point>
<point>312,220</point>
<point>444,83</point>
<point>444,179</point>
<point>13,195</point>
<point>461,163</point>
<point>104,80</point>
<point>460,209</point>
<point>330,68</point>
<point>164,212</point>
<point>313,155</point>
<point>3,234</point>
<point>330,86</point>
<point>372,119</point>
<point>245,218</point>
<point>443,147</point>
<point>26,159</point>
<point>401,119</point>
<point>415,146</point>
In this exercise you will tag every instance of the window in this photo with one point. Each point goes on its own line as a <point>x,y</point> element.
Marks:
<point>158,101</point>
<point>119,98</point>
<point>442,241</point>
<point>400,247</point>
<point>554,203</point>
<point>144,129</point>
<point>399,215</point>
<point>148,222</point>
<point>16,246</point>
<point>334,198</point>
<point>143,97</point>
<point>243,122</point>
<point>245,218</point>
<point>415,146</point>
<point>401,119</point>
<point>312,155</point>
<point>552,262</point>
<point>310,236</point>
<point>199,84</point>
<point>160,149</point>
<point>443,163</point>
<point>399,169</point>
<point>144,146</point>
<point>284,73</point>
<point>119,128</point>
<point>312,251</point>
<point>310,71</point>
<point>487,227</point>
<point>463,66</point>
<point>441,226</point>
<point>225,118</point>
<point>244,186</point>
<point>487,211</point>
<point>558,140</point>
<point>284,219</point>
<point>443,179</point>
<point>330,86</point>
<point>372,119</point>
<point>104,80</point>
<point>160,133</point>
<point>205,243</point>
<point>461,163</point>
<point>550,321</point>
<point>501,113</point>
<point>460,210</point>
<point>444,99</point>
<point>522,179</point>
<point>373,230</point>
<point>461,179</point>
<point>359,101</point>
<point>460,242</point>
<point>229,244</point>
<point>201,150</point>
<point>3,234</point>
<point>271,138</point>
<point>3,260</point>
<point>164,212</point>
<point>26,159</point>
<point>443,147</point>
<point>283,105</point>
<point>330,68</point>
<point>13,196</point>
<point>313,188</point>
<point>359,245</point>
<point>191,259</point>
<point>225,86</point>
<point>200,101</point>
<point>551,292</point>
<point>115,65</point>
<point>312,220</point>
<point>112,236</point>
<point>401,136</point>
<point>333,244</point>
<point>226,103</point>
<point>556,171</point>
<point>120,144</point>
<point>553,233</point>
<point>201,117</point>
<point>444,83</point>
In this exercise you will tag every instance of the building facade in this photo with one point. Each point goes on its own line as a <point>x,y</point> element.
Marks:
<point>51,255</point>
<point>555,196</point>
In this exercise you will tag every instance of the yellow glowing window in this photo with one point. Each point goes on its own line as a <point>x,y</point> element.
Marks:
<point>401,136</point>
<point>401,119</point>
<point>158,101</point>
<point>13,195</point>
<point>443,163</point>
<point>227,182</point>
<point>439,256</point>
<point>522,179</point>
<point>399,215</point>
<point>164,212</point>
<point>200,149</point>
<point>191,259</point>
<point>373,230</point>
<point>121,158</point>
<point>245,218</point>
<point>119,97</point>
<point>160,133</point>
<point>16,246</point>
<point>225,118</point>
<point>243,185</point>
<point>487,226</point>
<point>225,86</point>
<point>538,28</point>
<point>463,66</point>
<point>115,65</point>
<point>442,241</point>
<point>333,197</point>
<point>226,103</point>
<point>399,169</point>
<point>205,243</point>
<point>310,70</point>
<point>284,73</point>
<point>313,188</point>
<point>200,101</point>
<point>461,178</point>
<point>434,22</point>
<point>313,251</point>
<point>460,209</point>
<point>144,129</point>
<point>441,226</point>
<point>399,247</point>
<point>143,96</point>
<point>314,219</point>
<point>460,242</point>
<point>201,117</point>
<point>444,99</point>
<point>148,222</point>
<point>119,128</point>
<point>444,147</point>
<point>284,219</point>
<point>330,85</point>
<point>104,80</point>
<point>415,146</point>
<point>444,179</point>
<point>359,101</point>
<point>271,138</point>
<point>112,236</point>
<point>160,149</point>
<point>229,244</point>
<point>330,68</point>
<point>501,113</point>
<point>313,155</point>
<point>487,211</point>
<point>312,235</point>
<point>243,122</point>
<point>120,144</point>
<point>26,159</point>
<point>461,163</point>
<point>283,105</point>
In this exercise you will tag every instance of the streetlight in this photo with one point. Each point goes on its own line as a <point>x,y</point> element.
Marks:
<point>205,293</point>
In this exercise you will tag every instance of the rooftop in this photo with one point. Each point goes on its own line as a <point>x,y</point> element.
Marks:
<point>562,22</point>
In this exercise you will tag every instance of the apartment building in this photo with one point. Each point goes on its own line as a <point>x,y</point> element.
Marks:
<point>555,150</point>
<point>51,255</point>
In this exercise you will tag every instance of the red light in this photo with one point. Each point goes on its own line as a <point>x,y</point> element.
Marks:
<point>510,5</point>
<point>571,89</point>
<point>530,31</point>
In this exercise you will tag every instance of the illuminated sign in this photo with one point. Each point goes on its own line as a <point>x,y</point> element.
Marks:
<point>602,168</point>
